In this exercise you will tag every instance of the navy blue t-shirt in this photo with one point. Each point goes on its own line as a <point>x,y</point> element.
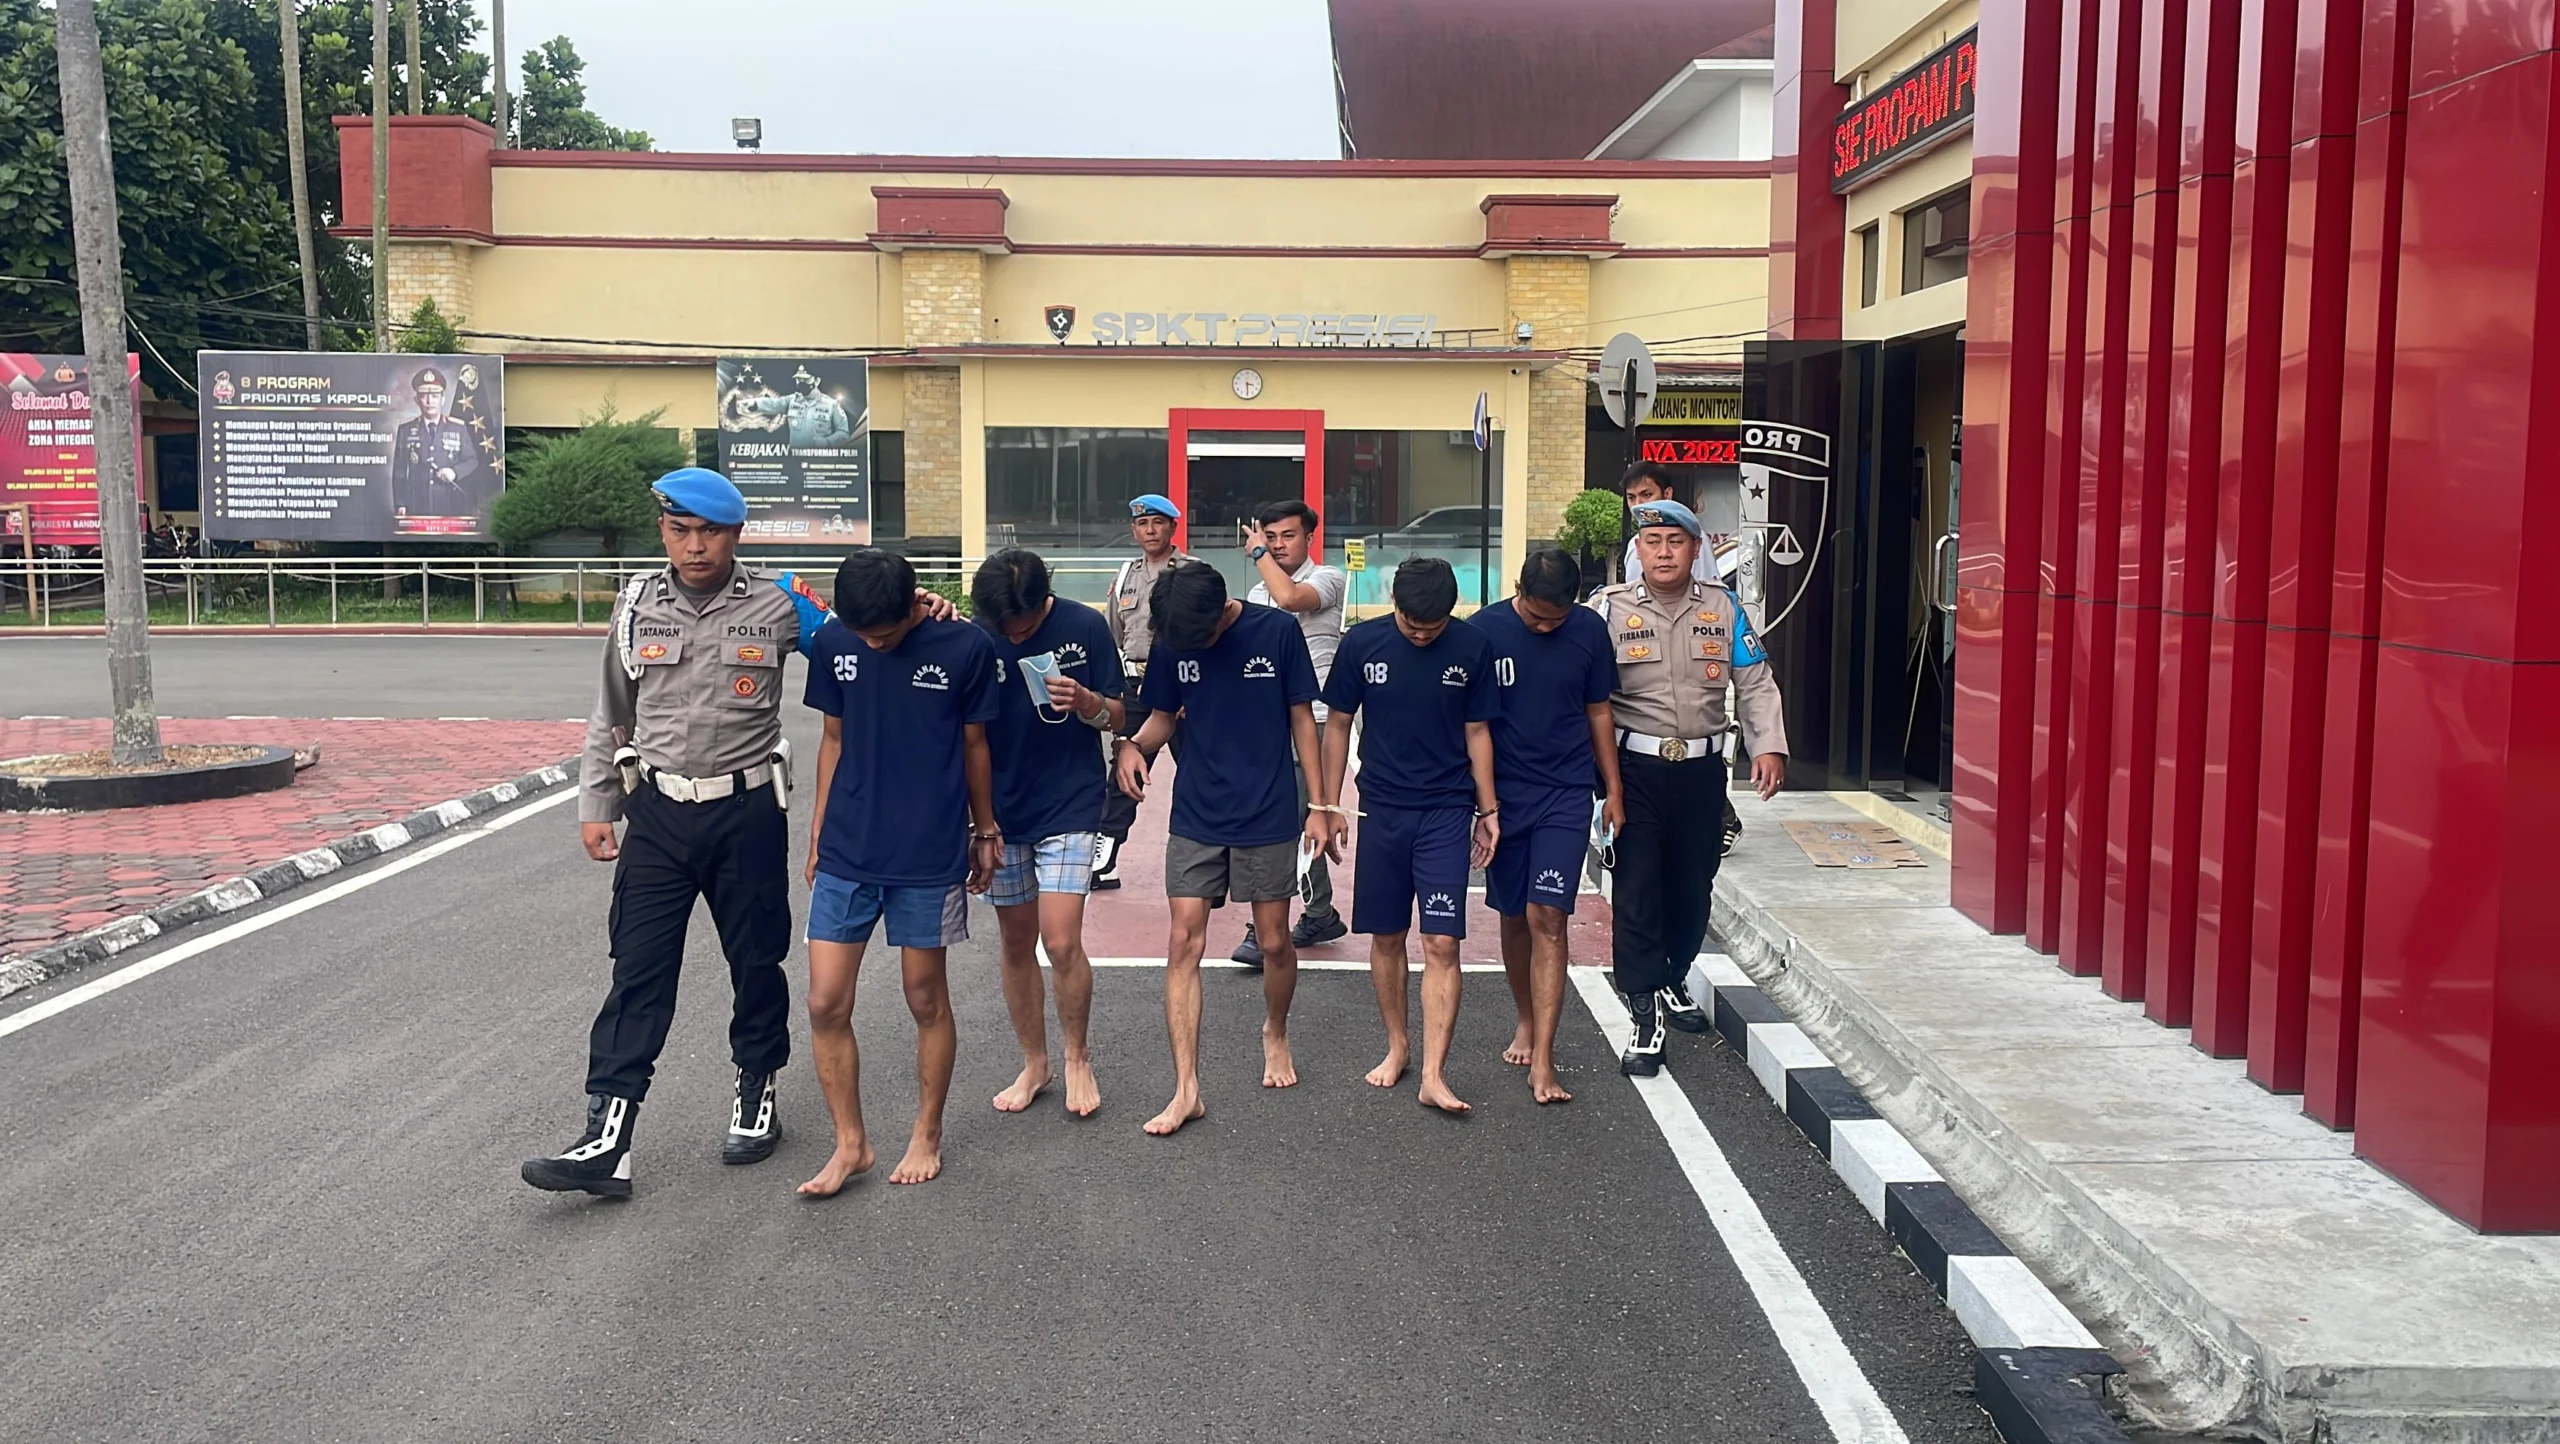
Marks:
<point>1542,741</point>
<point>898,811</point>
<point>1234,787</point>
<point>1049,764</point>
<point>1415,704</point>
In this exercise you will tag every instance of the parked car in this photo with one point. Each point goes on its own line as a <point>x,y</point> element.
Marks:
<point>1444,526</point>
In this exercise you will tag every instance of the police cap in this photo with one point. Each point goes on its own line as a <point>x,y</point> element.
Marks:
<point>1668,513</point>
<point>430,378</point>
<point>700,492</point>
<point>1153,504</point>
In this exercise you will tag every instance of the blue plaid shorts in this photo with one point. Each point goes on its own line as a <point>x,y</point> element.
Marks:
<point>1061,864</point>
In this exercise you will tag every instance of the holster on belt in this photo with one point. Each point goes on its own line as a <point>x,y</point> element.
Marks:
<point>626,762</point>
<point>782,773</point>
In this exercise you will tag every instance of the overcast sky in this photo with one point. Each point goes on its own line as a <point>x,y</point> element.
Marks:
<point>1240,79</point>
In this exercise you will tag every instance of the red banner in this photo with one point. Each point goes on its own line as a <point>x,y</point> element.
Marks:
<point>48,460</point>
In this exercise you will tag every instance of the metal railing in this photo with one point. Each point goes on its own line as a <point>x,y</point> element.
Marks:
<point>279,591</point>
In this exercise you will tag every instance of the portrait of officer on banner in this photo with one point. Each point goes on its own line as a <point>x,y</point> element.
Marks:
<point>445,460</point>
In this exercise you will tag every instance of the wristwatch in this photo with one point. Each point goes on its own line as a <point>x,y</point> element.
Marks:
<point>1258,553</point>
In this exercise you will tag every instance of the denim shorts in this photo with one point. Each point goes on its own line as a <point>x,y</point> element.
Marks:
<point>1061,864</point>
<point>844,911</point>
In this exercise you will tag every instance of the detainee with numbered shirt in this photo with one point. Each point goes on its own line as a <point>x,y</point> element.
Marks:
<point>1239,677</point>
<point>1554,746</point>
<point>1678,641</point>
<point>1057,696</point>
<point>1288,576</point>
<point>1424,686</point>
<point>1152,519</point>
<point>904,829</point>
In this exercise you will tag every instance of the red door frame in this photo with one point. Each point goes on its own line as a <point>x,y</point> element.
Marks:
<point>1181,421</point>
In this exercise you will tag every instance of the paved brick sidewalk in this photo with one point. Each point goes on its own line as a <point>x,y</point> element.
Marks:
<point>68,872</point>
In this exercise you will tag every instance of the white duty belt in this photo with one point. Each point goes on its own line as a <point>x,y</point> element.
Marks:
<point>1669,749</point>
<point>677,788</point>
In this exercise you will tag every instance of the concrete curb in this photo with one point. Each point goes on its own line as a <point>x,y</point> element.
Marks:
<point>27,970</point>
<point>2037,1370</point>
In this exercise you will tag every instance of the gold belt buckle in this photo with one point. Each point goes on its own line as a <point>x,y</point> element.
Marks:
<point>1675,749</point>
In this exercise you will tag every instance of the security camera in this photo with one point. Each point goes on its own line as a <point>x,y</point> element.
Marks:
<point>1523,332</point>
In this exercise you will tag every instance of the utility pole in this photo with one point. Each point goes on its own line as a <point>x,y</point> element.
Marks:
<point>292,42</point>
<point>498,54</point>
<point>102,330</point>
<point>381,175</point>
<point>417,73</point>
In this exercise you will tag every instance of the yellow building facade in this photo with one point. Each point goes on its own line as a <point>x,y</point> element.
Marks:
<point>1240,331</point>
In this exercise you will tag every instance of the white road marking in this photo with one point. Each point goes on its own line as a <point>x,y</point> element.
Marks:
<point>1305,965</point>
<point>136,972</point>
<point>1831,1376</point>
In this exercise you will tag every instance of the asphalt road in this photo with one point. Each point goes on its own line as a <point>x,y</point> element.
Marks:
<point>270,1193</point>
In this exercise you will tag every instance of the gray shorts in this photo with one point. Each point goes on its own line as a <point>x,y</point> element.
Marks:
<point>1247,874</point>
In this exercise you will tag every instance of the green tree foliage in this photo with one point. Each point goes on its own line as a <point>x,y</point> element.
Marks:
<point>595,479</point>
<point>555,114</point>
<point>200,185</point>
<point>1591,523</point>
<point>195,98</point>
<point>430,332</point>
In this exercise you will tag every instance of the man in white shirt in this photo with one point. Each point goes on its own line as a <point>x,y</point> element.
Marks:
<point>1282,551</point>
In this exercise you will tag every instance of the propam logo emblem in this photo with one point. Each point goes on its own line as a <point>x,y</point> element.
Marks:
<point>1061,319</point>
<point>744,686</point>
<point>1715,671</point>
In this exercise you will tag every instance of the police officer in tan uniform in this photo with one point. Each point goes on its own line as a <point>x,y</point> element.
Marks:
<point>1152,518</point>
<point>685,747</point>
<point>1680,642</point>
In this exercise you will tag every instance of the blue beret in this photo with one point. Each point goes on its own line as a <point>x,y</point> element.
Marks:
<point>1668,513</point>
<point>1153,504</point>
<point>699,491</point>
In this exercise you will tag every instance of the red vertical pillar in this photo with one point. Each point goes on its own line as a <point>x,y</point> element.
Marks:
<point>2009,295</point>
<point>1808,225</point>
<point>2458,1088</point>
<point>2226,846</point>
<point>2189,478</point>
<point>2302,533</point>
<point>2151,314</point>
<point>2048,767</point>
<point>2332,1010</point>
<point>2099,482</point>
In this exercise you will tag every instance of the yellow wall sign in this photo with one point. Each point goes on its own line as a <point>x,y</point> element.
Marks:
<point>1696,406</point>
<point>1355,555</point>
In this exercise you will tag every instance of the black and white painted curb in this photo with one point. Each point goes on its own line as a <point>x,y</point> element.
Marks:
<point>104,941</point>
<point>2038,1372</point>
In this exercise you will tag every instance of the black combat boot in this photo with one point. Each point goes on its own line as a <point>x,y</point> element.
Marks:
<point>1643,1057</point>
<point>753,1128</point>
<point>1681,1010</point>
<point>600,1161</point>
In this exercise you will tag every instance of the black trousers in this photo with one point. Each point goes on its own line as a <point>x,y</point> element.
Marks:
<point>1667,858</point>
<point>734,854</point>
<point>1119,809</point>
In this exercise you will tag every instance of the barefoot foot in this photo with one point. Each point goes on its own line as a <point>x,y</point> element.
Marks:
<point>848,1160</point>
<point>1084,1096</point>
<point>1517,1055</point>
<point>1184,1108</point>
<point>1279,1068</point>
<point>1025,1088</point>
<point>1436,1094</point>
<point>923,1161</point>
<point>1389,1070</point>
<point>1544,1087</point>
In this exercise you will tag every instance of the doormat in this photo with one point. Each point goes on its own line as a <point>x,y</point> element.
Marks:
<point>1854,844</point>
